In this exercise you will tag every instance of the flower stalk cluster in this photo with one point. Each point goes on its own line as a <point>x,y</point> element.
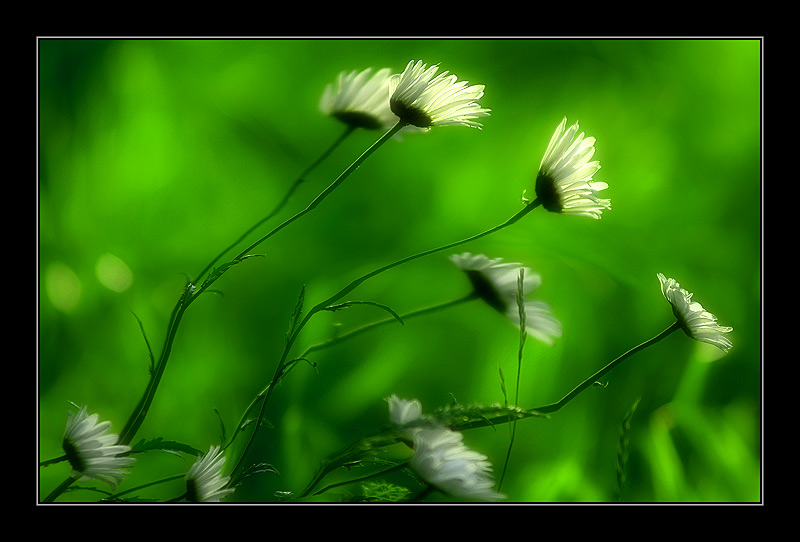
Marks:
<point>419,98</point>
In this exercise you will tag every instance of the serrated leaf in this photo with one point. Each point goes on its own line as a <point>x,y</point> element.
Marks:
<point>298,310</point>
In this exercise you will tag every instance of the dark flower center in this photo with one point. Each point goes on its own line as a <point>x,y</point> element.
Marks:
<point>192,495</point>
<point>411,115</point>
<point>486,291</point>
<point>547,194</point>
<point>357,119</point>
<point>72,456</point>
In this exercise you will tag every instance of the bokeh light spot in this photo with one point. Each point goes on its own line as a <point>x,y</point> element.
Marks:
<point>63,287</point>
<point>113,273</point>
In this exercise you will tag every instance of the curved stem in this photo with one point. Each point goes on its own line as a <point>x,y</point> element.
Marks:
<point>150,484</point>
<point>301,178</point>
<point>372,325</point>
<point>592,379</point>
<point>354,284</point>
<point>139,414</point>
<point>190,294</point>
<point>311,206</point>
<point>325,193</point>
<point>553,407</point>
<point>393,468</point>
<point>279,370</point>
<point>346,336</point>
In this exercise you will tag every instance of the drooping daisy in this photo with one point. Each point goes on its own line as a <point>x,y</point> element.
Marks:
<point>94,452</point>
<point>443,460</point>
<point>496,283</point>
<point>695,321</point>
<point>564,181</point>
<point>204,482</point>
<point>424,99</point>
<point>360,99</point>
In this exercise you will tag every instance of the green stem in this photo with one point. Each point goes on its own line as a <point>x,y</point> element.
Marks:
<point>592,379</point>
<point>190,294</point>
<point>325,193</point>
<point>372,325</point>
<point>349,335</point>
<point>301,178</point>
<point>553,407</point>
<point>60,489</point>
<point>150,484</point>
<point>279,370</point>
<point>311,206</point>
<point>354,284</point>
<point>522,337</point>
<point>139,414</point>
<point>362,478</point>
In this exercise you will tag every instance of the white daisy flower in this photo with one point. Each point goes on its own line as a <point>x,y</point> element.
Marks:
<point>93,451</point>
<point>360,99</point>
<point>496,283</point>
<point>204,483</point>
<point>442,460</point>
<point>403,411</point>
<point>564,181</point>
<point>695,321</point>
<point>422,100</point>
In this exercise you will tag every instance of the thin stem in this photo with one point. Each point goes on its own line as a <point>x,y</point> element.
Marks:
<point>150,484</point>
<point>138,416</point>
<point>350,287</point>
<point>325,193</point>
<point>190,294</point>
<point>553,407</point>
<point>60,489</point>
<point>523,334</point>
<point>349,335</point>
<point>311,206</point>
<point>279,370</point>
<point>372,325</point>
<point>301,178</point>
<point>362,478</point>
<point>592,379</point>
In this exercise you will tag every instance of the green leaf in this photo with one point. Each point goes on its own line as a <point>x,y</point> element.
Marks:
<point>159,444</point>
<point>347,304</point>
<point>147,343</point>
<point>298,311</point>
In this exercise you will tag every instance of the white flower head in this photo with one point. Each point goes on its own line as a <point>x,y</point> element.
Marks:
<point>443,460</point>
<point>564,181</point>
<point>424,99</point>
<point>403,411</point>
<point>360,99</point>
<point>93,451</point>
<point>496,283</point>
<point>204,481</point>
<point>695,321</point>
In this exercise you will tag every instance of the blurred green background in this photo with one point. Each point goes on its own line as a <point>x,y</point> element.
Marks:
<point>154,155</point>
